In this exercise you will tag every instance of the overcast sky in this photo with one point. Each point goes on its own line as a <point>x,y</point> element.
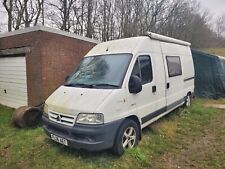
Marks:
<point>216,7</point>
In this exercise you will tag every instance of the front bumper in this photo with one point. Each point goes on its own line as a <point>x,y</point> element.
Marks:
<point>88,137</point>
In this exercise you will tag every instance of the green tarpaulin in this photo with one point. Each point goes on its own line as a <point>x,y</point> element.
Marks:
<point>209,75</point>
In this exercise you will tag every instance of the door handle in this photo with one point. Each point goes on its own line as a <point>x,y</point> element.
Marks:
<point>168,85</point>
<point>153,89</point>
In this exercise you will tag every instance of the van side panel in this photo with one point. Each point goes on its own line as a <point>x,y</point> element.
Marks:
<point>178,86</point>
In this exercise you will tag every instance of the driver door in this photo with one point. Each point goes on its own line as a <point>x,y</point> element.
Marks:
<point>151,99</point>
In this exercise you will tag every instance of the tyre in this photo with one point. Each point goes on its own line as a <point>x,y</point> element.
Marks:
<point>127,137</point>
<point>188,101</point>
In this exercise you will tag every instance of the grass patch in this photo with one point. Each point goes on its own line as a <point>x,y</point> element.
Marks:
<point>186,138</point>
<point>215,51</point>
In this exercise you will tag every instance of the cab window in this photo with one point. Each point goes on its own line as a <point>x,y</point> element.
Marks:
<point>143,69</point>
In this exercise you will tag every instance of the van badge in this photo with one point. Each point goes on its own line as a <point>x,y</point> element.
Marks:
<point>59,118</point>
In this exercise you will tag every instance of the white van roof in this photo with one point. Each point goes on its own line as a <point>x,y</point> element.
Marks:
<point>133,44</point>
<point>127,45</point>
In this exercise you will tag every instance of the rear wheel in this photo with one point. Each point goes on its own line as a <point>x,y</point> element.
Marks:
<point>188,100</point>
<point>127,137</point>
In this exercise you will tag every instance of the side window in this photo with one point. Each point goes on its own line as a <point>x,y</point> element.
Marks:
<point>146,69</point>
<point>174,66</point>
<point>143,69</point>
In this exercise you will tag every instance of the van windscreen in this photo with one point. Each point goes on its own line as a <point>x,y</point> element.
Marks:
<point>103,71</point>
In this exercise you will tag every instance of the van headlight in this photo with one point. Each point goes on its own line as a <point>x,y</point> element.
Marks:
<point>90,118</point>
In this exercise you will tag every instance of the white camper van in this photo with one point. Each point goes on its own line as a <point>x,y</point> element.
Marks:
<point>120,87</point>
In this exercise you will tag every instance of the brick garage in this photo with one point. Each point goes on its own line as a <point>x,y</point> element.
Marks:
<point>35,61</point>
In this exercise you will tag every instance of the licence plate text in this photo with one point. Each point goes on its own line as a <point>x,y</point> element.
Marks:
<point>59,139</point>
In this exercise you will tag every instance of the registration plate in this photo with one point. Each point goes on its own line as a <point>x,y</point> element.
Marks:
<point>59,139</point>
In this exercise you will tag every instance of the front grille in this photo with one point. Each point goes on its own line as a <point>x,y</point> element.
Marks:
<point>60,118</point>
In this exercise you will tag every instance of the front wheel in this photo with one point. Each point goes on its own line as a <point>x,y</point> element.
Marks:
<point>127,137</point>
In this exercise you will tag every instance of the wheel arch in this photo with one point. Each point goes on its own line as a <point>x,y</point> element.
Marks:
<point>136,120</point>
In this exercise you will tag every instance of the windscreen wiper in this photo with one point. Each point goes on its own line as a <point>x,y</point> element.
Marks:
<point>69,85</point>
<point>105,84</point>
<point>90,85</point>
<point>79,85</point>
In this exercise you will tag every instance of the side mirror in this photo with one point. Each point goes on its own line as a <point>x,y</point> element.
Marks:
<point>135,85</point>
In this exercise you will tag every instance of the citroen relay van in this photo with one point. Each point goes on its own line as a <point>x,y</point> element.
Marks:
<point>120,87</point>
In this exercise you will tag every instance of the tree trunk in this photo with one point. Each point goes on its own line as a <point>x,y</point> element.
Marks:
<point>9,9</point>
<point>89,18</point>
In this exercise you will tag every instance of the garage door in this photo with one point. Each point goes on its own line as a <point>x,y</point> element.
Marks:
<point>13,81</point>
